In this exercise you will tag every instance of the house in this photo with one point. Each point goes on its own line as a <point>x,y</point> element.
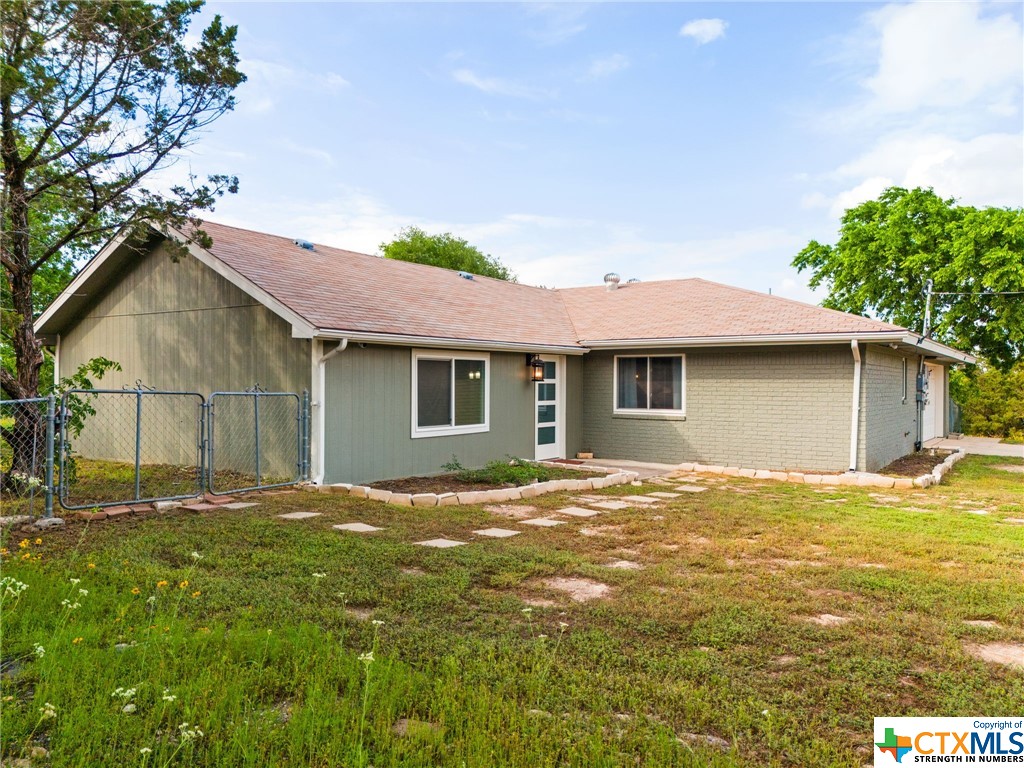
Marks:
<point>408,365</point>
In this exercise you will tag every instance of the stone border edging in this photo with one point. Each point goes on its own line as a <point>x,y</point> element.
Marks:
<point>495,496</point>
<point>848,478</point>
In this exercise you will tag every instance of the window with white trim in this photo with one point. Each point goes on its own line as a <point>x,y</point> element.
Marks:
<point>650,384</point>
<point>450,393</point>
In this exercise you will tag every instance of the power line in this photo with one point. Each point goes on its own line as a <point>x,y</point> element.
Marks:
<point>977,293</point>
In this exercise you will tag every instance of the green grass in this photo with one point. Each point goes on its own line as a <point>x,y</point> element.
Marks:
<point>710,638</point>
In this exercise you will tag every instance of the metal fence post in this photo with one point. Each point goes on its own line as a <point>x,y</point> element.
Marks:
<point>50,413</point>
<point>304,431</point>
<point>256,408</point>
<point>138,443</point>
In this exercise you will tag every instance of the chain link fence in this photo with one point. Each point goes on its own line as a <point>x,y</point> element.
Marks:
<point>26,456</point>
<point>256,440</point>
<point>105,447</point>
<point>130,446</point>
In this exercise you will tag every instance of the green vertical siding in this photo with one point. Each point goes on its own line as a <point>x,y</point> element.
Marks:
<point>181,326</point>
<point>573,406</point>
<point>369,413</point>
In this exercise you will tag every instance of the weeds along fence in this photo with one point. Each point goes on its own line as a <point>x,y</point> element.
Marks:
<point>104,447</point>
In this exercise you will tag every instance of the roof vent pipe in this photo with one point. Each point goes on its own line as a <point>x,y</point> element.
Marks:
<point>304,245</point>
<point>611,281</point>
<point>632,280</point>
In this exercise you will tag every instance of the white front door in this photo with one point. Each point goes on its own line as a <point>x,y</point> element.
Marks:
<point>549,424</point>
<point>934,401</point>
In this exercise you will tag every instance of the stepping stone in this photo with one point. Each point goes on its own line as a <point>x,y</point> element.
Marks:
<point>609,504</point>
<point>665,494</point>
<point>691,488</point>
<point>977,511</point>
<point>577,512</point>
<point>298,515</point>
<point>998,653</point>
<point>497,533</point>
<point>1014,520</point>
<point>543,522</point>
<point>190,507</point>
<point>440,543</point>
<point>982,623</point>
<point>356,527</point>
<point>240,505</point>
<point>643,499</point>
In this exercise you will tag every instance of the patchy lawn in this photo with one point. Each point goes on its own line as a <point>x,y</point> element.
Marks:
<point>752,624</point>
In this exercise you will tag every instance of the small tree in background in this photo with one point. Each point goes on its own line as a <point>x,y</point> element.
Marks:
<point>448,251</point>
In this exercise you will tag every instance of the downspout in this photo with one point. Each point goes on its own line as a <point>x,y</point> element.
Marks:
<point>919,395</point>
<point>855,409</point>
<point>321,411</point>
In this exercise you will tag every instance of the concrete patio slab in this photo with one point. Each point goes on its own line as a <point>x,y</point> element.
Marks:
<point>641,499</point>
<point>644,469</point>
<point>665,494</point>
<point>356,527</point>
<point>497,533</point>
<point>691,488</point>
<point>299,515</point>
<point>983,446</point>
<point>240,505</point>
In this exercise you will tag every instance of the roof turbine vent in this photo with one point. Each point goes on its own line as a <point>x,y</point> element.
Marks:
<point>611,281</point>
<point>304,244</point>
<point>633,280</point>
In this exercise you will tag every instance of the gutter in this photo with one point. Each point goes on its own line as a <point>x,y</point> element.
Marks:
<point>320,380</point>
<point>405,340</point>
<point>752,340</point>
<point>855,406</point>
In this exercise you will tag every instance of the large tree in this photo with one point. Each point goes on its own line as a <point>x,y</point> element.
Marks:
<point>448,251</point>
<point>96,98</point>
<point>890,247</point>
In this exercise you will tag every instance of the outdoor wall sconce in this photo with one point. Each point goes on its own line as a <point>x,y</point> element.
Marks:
<point>536,366</point>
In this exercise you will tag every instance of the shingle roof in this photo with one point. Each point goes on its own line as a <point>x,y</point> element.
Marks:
<point>696,308</point>
<point>343,290</point>
<point>347,291</point>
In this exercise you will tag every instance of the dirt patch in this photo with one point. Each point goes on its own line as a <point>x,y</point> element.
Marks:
<point>827,620</point>
<point>511,510</point>
<point>998,653</point>
<point>413,572</point>
<point>539,602</point>
<point>1019,468</point>
<point>624,565</point>
<point>602,530</point>
<point>982,623</point>
<point>915,464</point>
<point>362,614</point>
<point>579,590</point>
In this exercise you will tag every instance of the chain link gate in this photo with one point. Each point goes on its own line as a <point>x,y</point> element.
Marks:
<point>26,456</point>
<point>256,440</point>
<point>130,446</point>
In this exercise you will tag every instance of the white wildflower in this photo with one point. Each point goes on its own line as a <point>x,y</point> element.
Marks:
<point>189,733</point>
<point>39,651</point>
<point>76,581</point>
<point>83,592</point>
<point>145,750</point>
<point>196,556</point>
<point>12,586</point>
<point>377,623</point>
<point>168,696</point>
<point>562,624</point>
<point>128,708</point>
<point>542,637</point>
<point>527,610</point>
<point>123,693</point>
<point>319,575</point>
<point>366,658</point>
<point>48,711</point>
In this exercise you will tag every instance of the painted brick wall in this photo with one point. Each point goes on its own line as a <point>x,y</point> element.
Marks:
<point>888,421</point>
<point>780,408</point>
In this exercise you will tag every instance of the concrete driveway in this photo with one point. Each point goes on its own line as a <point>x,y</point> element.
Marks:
<point>985,446</point>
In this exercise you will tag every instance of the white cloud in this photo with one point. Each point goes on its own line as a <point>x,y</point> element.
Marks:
<point>315,153</point>
<point>607,65</point>
<point>704,30</point>
<point>944,55</point>
<point>267,78</point>
<point>555,22</point>
<point>500,86</point>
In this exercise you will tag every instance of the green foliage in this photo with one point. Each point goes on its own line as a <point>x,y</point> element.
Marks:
<point>889,247</point>
<point>94,98</point>
<point>454,465</point>
<point>991,401</point>
<point>448,251</point>
<point>508,471</point>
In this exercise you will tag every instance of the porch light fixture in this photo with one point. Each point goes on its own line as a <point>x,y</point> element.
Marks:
<point>536,366</point>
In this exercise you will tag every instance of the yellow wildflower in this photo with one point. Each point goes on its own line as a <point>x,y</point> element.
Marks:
<point>161,584</point>
<point>183,584</point>
<point>197,593</point>
<point>27,556</point>
<point>3,550</point>
<point>136,590</point>
<point>91,565</point>
<point>23,543</point>
<point>39,541</point>
<point>76,641</point>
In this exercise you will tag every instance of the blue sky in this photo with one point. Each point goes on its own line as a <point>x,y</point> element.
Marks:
<point>654,140</point>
